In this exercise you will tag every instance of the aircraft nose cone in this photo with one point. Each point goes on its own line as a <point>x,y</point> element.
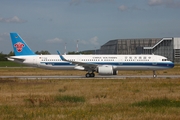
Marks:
<point>171,64</point>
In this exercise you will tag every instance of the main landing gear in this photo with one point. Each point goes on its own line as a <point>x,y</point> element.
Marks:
<point>154,74</point>
<point>90,75</point>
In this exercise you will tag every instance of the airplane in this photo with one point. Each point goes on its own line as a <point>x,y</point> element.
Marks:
<point>101,64</point>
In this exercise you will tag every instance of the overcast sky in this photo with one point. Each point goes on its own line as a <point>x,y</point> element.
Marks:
<point>49,24</point>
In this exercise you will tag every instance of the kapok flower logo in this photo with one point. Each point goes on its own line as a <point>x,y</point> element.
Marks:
<point>19,46</point>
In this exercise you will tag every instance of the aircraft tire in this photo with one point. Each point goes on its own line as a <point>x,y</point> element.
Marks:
<point>92,74</point>
<point>87,75</point>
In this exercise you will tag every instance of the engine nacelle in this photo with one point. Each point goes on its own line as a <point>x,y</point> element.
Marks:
<point>106,70</point>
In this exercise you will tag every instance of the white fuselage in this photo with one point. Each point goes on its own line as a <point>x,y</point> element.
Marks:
<point>119,62</point>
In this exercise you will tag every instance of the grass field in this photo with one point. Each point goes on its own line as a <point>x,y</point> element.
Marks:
<point>9,64</point>
<point>135,99</point>
<point>89,99</point>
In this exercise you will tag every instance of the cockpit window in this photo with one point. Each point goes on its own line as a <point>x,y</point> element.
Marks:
<point>164,59</point>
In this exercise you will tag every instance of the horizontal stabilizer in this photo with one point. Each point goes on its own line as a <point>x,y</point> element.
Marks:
<point>15,59</point>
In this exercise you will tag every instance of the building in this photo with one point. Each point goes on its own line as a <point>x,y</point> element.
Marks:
<point>168,47</point>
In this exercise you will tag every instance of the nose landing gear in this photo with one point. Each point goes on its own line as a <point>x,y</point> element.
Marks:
<point>154,74</point>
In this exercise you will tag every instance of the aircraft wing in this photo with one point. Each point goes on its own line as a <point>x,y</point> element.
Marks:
<point>87,66</point>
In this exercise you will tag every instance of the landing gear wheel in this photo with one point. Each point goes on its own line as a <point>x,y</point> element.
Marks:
<point>154,76</point>
<point>87,75</point>
<point>90,75</point>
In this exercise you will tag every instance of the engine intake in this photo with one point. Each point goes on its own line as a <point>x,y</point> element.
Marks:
<point>106,70</point>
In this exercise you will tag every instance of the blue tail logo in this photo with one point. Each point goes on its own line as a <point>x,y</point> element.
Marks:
<point>19,46</point>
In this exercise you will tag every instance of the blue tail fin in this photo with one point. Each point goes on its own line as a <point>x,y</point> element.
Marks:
<point>19,46</point>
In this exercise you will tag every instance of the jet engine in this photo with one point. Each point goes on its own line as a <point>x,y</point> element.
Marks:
<point>106,70</point>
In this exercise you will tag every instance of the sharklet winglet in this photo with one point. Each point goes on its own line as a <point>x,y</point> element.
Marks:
<point>62,58</point>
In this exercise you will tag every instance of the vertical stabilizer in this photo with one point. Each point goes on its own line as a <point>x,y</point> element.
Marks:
<point>19,46</point>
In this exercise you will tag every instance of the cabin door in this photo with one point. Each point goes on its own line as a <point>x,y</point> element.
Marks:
<point>120,61</point>
<point>154,62</point>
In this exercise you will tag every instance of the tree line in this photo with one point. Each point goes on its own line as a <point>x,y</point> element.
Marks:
<point>3,57</point>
